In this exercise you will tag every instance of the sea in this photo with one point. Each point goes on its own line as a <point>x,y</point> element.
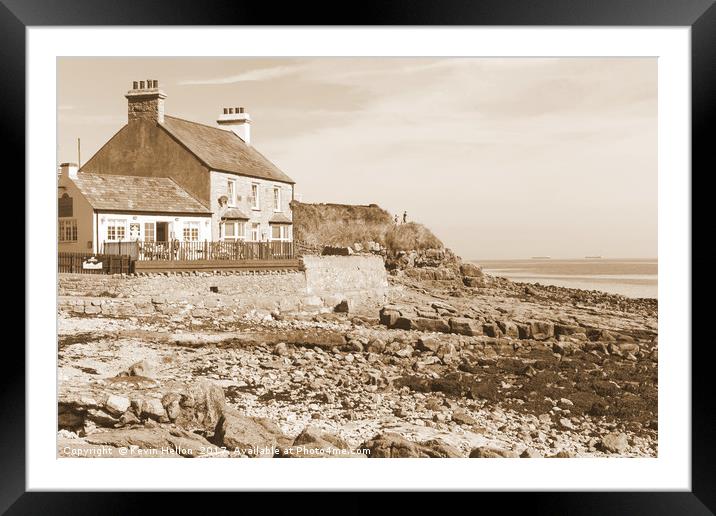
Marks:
<point>630,277</point>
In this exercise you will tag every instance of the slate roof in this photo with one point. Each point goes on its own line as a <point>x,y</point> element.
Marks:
<point>280,218</point>
<point>222,150</point>
<point>136,193</point>
<point>234,213</point>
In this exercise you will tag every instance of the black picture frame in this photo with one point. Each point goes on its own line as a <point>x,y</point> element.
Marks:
<point>700,15</point>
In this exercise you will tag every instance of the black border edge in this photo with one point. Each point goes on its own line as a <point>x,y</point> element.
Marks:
<point>700,14</point>
<point>703,119</point>
<point>12,134</point>
<point>367,12</point>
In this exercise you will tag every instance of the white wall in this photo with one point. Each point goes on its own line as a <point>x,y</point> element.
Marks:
<point>175,225</point>
<point>219,187</point>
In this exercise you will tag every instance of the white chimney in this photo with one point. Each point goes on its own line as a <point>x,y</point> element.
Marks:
<point>235,119</point>
<point>68,170</point>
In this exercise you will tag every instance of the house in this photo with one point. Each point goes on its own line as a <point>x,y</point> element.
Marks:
<point>165,179</point>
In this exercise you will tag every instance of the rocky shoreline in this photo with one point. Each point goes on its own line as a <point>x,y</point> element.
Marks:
<point>455,364</point>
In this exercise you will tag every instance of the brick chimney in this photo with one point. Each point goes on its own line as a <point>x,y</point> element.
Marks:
<point>237,120</point>
<point>145,102</point>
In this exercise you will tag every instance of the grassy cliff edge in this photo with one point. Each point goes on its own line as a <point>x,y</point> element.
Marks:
<point>345,224</point>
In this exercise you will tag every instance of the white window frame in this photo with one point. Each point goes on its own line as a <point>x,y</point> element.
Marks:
<point>277,198</point>
<point>256,205</point>
<point>284,235</point>
<point>231,192</point>
<point>239,226</point>
<point>190,225</point>
<point>115,224</point>
<point>67,230</point>
<point>255,229</point>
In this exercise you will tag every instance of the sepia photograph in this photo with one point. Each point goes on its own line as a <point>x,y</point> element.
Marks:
<point>357,257</point>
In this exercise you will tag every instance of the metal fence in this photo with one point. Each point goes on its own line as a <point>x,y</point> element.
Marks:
<point>83,263</point>
<point>190,251</point>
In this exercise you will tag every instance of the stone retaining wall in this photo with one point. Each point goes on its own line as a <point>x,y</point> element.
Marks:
<point>325,282</point>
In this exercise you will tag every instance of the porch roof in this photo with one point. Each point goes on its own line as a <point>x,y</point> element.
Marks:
<point>135,193</point>
<point>280,218</point>
<point>234,213</point>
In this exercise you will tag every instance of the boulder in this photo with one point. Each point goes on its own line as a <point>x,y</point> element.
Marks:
<point>165,442</point>
<point>491,330</point>
<point>541,330</point>
<point>462,417</point>
<point>388,316</point>
<point>530,453</point>
<point>392,445</point>
<point>375,346</point>
<point>567,329</point>
<point>422,324</point>
<point>314,443</point>
<point>428,343</point>
<point>471,270</point>
<point>248,436</point>
<point>153,408</point>
<point>488,452</point>
<point>524,330</point>
<point>117,405</point>
<point>198,406</point>
<point>464,326</point>
<point>615,443</point>
<point>509,329</point>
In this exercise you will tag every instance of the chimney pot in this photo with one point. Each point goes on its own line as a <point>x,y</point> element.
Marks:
<point>155,83</point>
<point>141,85</point>
<point>238,121</point>
<point>135,84</point>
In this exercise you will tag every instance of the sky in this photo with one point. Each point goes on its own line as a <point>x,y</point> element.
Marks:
<point>500,158</point>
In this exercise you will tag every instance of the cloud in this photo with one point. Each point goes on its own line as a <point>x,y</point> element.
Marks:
<point>261,74</point>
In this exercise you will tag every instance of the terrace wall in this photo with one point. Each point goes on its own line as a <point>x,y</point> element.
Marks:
<point>324,283</point>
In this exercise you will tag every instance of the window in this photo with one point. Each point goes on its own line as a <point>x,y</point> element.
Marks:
<point>64,206</point>
<point>149,232</point>
<point>276,198</point>
<point>279,232</point>
<point>255,201</point>
<point>231,191</point>
<point>116,229</point>
<point>68,230</point>
<point>191,231</point>
<point>255,229</point>
<point>234,230</point>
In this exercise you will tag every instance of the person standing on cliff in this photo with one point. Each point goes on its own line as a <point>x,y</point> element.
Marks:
<point>405,217</point>
<point>396,218</point>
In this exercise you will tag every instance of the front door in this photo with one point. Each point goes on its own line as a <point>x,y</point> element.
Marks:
<point>162,232</point>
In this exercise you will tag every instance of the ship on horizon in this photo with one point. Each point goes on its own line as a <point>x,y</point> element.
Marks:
<point>541,258</point>
<point>592,257</point>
